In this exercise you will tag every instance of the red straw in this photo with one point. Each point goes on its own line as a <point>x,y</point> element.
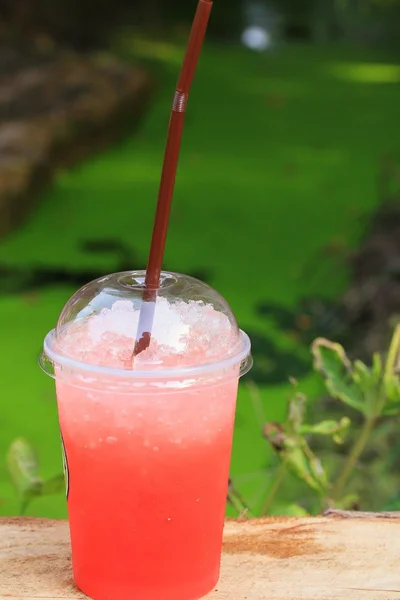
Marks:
<point>168,174</point>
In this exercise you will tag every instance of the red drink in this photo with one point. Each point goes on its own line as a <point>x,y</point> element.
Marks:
<point>147,489</point>
<point>148,453</point>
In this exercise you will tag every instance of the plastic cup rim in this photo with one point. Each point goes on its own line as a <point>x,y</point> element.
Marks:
<point>174,373</point>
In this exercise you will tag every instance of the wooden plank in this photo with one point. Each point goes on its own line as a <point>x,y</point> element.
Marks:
<point>321,558</point>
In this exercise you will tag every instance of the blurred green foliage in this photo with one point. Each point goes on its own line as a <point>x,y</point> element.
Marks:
<point>281,152</point>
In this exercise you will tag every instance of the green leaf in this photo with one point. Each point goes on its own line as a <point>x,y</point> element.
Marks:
<point>392,389</point>
<point>336,429</point>
<point>363,376</point>
<point>392,395</point>
<point>23,468</point>
<point>23,465</point>
<point>331,362</point>
<point>55,485</point>
<point>318,471</point>
<point>377,367</point>
<point>304,466</point>
<point>344,426</point>
<point>369,382</point>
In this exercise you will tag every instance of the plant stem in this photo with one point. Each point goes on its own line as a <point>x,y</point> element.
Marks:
<point>280,474</point>
<point>236,500</point>
<point>353,457</point>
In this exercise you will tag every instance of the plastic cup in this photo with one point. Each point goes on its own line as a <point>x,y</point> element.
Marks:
<point>146,439</point>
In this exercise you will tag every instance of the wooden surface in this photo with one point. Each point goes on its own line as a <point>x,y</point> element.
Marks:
<point>324,558</point>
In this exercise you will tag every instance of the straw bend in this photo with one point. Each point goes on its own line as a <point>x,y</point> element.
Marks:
<point>180,101</point>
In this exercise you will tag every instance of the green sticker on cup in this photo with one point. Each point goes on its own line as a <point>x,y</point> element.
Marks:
<point>65,467</point>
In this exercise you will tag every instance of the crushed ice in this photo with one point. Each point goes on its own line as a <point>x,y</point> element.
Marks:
<point>193,331</point>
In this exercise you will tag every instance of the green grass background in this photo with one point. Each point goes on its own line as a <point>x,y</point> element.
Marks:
<point>280,157</point>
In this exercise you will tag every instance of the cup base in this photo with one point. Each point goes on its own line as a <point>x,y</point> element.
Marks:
<point>97,590</point>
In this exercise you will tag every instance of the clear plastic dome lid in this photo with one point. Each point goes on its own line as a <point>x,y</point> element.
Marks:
<point>193,327</point>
